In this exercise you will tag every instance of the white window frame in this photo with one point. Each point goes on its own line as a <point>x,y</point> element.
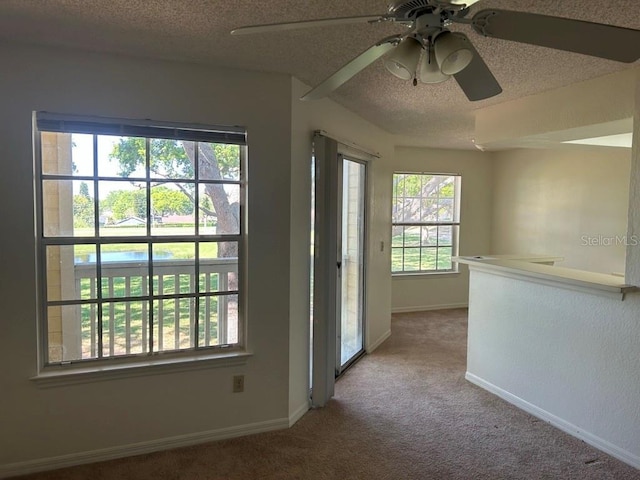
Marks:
<point>454,224</point>
<point>132,364</point>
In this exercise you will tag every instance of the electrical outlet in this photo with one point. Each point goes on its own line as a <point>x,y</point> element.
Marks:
<point>238,383</point>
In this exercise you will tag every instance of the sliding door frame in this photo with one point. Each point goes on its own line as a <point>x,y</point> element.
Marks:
<point>326,288</point>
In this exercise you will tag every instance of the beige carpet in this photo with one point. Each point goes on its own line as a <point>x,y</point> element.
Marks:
<point>404,412</point>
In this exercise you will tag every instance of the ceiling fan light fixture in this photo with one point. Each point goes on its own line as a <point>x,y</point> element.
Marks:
<point>429,71</point>
<point>453,52</point>
<point>403,62</point>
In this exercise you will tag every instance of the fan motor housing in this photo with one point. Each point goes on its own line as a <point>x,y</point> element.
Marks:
<point>409,10</point>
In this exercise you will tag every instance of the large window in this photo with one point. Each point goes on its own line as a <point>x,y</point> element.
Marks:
<point>140,236</point>
<point>425,222</point>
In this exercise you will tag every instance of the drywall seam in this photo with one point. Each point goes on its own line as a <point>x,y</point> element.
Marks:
<point>571,429</point>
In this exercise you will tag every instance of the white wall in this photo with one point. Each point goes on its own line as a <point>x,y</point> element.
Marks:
<point>410,293</point>
<point>568,357</point>
<point>39,423</point>
<point>569,202</point>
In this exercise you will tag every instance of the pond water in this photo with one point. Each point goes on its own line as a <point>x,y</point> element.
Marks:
<point>123,257</point>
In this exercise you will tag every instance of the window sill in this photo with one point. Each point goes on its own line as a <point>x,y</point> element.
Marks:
<point>423,275</point>
<point>71,375</point>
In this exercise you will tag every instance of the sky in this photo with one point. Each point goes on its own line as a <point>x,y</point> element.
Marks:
<point>82,155</point>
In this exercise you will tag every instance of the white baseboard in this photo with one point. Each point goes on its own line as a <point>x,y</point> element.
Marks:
<point>298,413</point>
<point>379,341</point>
<point>111,453</point>
<point>426,308</point>
<point>571,429</point>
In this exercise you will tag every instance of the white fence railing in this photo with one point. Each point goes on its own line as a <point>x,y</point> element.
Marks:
<point>125,323</point>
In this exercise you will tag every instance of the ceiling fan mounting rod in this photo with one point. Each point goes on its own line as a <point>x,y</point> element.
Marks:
<point>427,35</point>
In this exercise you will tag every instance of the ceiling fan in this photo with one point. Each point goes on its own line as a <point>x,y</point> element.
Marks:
<point>431,53</point>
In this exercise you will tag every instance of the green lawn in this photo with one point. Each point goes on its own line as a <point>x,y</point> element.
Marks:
<point>138,285</point>
<point>173,250</point>
<point>414,257</point>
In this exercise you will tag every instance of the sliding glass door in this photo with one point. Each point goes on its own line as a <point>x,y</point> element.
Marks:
<point>350,265</point>
<point>338,321</point>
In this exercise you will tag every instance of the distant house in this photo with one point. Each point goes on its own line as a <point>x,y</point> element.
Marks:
<point>130,222</point>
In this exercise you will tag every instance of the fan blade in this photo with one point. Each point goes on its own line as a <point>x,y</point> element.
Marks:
<point>279,27</point>
<point>595,39</point>
<point>476,80</point>
<point>359,63</point>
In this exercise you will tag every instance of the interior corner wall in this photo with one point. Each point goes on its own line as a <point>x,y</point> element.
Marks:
<point>339,122</point>
<point>44,424</point>
<point>299,297</point>
<point>426,292</point>
<point>632,273</point>
<point>570,202</point>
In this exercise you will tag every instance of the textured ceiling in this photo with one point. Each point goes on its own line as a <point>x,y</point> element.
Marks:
<point>198,30</point>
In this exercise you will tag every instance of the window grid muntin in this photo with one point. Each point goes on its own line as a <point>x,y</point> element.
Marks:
<point>401,200</point>
<point>150,240</point>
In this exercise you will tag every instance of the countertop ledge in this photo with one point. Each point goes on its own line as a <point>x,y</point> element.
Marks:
<point>536,268</point>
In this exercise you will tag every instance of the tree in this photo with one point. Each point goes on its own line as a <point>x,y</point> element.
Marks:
<point>419,198</point>
<point>125,204</point>
<point>133,203</point>
<point>165,201</point>
<point>83,211</point>
<point>83,208</point>
<point>171,159</point>
<point>84,189</point>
